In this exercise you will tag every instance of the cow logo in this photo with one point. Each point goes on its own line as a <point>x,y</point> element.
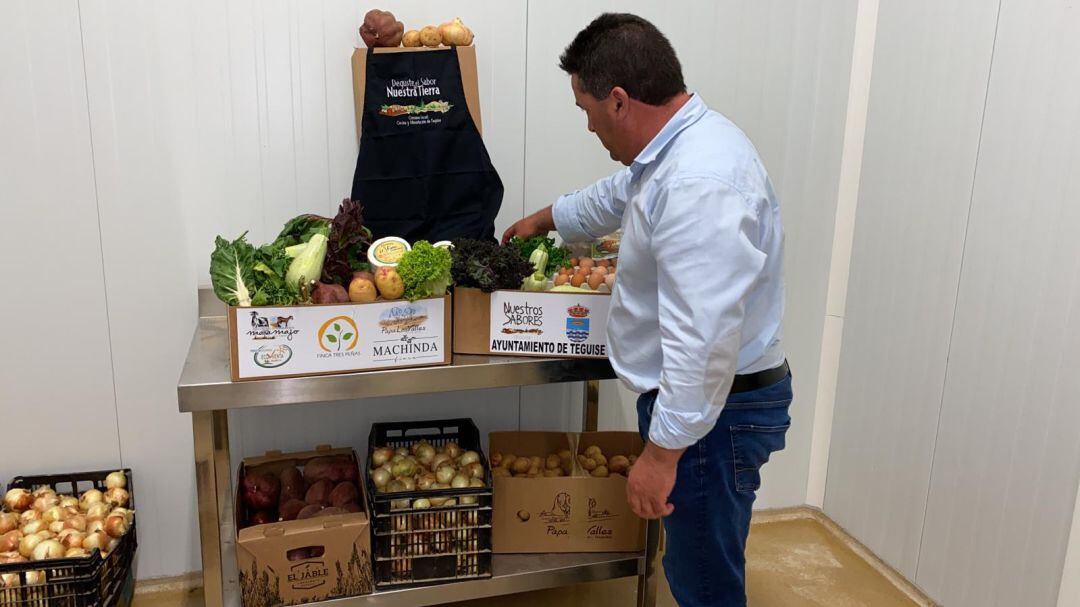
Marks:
<point>560,510</point>
<point>338,334</point>
<point>270,327</point>
<point>271,356</point>
<point>577,323</point>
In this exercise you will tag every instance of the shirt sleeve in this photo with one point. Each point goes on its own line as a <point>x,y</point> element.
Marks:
<point>592,212</point>
<point>704,241</point>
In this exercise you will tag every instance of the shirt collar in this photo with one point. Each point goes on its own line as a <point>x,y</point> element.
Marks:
<point>688,114</point>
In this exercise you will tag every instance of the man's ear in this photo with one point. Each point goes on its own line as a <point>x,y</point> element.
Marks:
<point>620,101</point>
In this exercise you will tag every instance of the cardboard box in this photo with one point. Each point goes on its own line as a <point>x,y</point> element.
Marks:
<point>526,323</point>
<point>291,341</point>
<point>469,81</point>
<point>302,561</point>
<point>578,513</point>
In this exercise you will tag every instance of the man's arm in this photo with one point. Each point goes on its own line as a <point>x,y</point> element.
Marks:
<point>586,214</point>
<point>703,240</point>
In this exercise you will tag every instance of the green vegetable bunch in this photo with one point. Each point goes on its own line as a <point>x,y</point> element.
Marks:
<point>425,271</point>
<point>558,257</point>
<point>245,276</point>
<point>484,265</point>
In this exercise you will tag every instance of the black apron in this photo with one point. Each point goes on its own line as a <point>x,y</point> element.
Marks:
<point>423,171</point>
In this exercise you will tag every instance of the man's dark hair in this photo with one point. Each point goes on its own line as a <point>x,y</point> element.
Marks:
<point>619,49</point>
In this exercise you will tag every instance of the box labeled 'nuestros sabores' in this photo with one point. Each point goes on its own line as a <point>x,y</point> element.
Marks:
<point>528,323</point>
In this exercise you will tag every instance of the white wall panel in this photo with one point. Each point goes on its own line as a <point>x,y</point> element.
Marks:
<point>779,70</point>
<point>1007,462</point>
<point>926,99</point>
<point>53,305</point>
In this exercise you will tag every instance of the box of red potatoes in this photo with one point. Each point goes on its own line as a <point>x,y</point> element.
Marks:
<point>303,528</point>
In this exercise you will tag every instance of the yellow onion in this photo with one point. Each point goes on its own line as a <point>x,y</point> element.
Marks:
<point>28,543</point>
<point>438,460</point>
<point>97,539</point>
<point>8,521</point>
<point>117,496</point>
<point>67,501</point>
<point>452,449</point>
<point>116,480</point>
<point>71,538</point>
<point>98,525</point>
<point>18,500</point>
<point>73,553</point>
<point>381,456</point>
<point>48,549</point>
<point>116,526</point>
<point>9,542</point>
<point>444,474</point>
<point>34,527</point>
<point>129,515</point>
<point>9,580</point>
<point>459,482</point>
<point>455,33</point>
<point>77,522</point>
<point>46,501</point>
<point>97,511</point>
<point>71,511</point>
<point>380,477</point>
<point>11,556</point>
<point>56,526</point>
<point>29,515</point>
<point>112,545</point>
<point>54,514</point>
<point>91,497</point>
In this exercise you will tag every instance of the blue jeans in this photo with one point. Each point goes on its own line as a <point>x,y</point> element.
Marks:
<point>714,495</point>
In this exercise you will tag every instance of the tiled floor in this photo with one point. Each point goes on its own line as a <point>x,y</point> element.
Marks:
<point>793,563</point>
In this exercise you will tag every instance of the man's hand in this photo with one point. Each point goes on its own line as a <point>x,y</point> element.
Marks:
<point>540,222</point>
<point>651,480</point>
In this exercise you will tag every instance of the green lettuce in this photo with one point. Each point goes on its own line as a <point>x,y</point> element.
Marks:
<point>232,268</point>
<point>425,271</point>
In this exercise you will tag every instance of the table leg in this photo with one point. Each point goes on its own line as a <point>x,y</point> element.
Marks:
<point>591,407</point>
<point>210,430</point>
<point>647,581</point>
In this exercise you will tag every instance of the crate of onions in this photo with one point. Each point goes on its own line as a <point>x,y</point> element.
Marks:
<point>430,491</point>
<point>68,539</point>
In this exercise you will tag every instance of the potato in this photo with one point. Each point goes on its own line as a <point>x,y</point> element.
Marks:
<point>261,490</point>
<point>329,293</point>
<point>334,469</point>
<point>593,451</point>
<point>552,473</point>
<point>500,472</point>
<point>600,472</point>
<point>343,493</point>
<point>600,459</point>
<point>521,465</point>
<point>389,283</point>
<point>262,517</point>
<point>587,463</point>
<point>330,512</point>
<point>411,38</point>
<point>293,486</point>
<point>362,290</point>
<point>429,36</point>
<point>565,455</point>
<point>309,511</point>
<point>536,462</point>
<point>290,509</point>
<point>507,460</point>
<point>496,459</point>
<point>618,464</point>
<point>319,493</point>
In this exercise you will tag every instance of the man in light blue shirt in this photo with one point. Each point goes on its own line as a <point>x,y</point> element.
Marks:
<point>695,318</point>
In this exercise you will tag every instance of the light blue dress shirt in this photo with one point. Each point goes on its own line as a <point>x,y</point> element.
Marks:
<point>699,292</point>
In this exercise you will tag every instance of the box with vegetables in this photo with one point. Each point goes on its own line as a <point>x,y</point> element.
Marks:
<point>304,532</point>
<point>323,298</point>
<point>430,492</point>
<point>531,298</point>
<point>68,539</point>
<point>564,492</point>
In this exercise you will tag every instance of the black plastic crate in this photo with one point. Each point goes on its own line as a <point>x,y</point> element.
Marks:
<point>419,546</point>
<point>75,582</point>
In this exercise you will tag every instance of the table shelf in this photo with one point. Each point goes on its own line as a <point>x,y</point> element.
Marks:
<point>206,391</point>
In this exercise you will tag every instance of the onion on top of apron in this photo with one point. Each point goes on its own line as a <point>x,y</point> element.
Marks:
<point>422,171</point>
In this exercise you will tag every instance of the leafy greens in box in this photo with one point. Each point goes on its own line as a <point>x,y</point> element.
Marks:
<point>484,265</point>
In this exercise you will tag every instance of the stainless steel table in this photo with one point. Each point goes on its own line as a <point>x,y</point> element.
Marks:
<point>206,392</point>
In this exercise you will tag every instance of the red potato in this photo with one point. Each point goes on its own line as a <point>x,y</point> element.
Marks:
<point>319,493</point>
<point>334,469</point>
<point>309,511</point>
<point>291,509</point>
<point>262,517</point>
<point>343,493</point>
<point>351,507</point>
<point>261,490</point>
<point>380,28</point>
<point>329,294</point>
<point>293,486</point>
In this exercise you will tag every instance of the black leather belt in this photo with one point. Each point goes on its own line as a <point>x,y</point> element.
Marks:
<point>757,381</point>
